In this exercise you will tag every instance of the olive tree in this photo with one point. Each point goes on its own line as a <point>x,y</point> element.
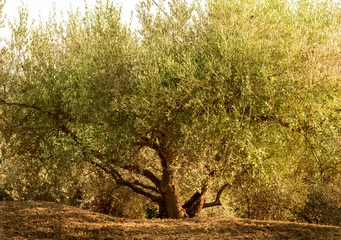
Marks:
<point>182,108</point>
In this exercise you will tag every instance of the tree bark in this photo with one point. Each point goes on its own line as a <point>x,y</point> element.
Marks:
<point>165,191</point>
<point>196,203</point>
<point>162,210</point>
<point>170,194</point>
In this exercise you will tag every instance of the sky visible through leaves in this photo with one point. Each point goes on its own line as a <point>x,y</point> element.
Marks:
<point>41,9</point>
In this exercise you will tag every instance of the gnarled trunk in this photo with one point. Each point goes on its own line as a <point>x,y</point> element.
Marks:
<point>170,194</point>
<point>196,203</point>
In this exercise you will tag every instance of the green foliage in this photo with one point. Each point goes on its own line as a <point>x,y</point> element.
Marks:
<point>70,183</point>
<point>239,92</point>
<point>98,192</point>
<point>2,17</point>
<point>322,206</point>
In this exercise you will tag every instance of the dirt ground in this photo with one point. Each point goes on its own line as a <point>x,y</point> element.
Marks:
<point>43,220</point>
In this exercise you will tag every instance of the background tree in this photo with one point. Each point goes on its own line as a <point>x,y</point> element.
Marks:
<point>3,194</point>
<point>237,98</point>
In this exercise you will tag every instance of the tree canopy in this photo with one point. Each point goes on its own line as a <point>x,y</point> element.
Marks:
<point>194,102</point>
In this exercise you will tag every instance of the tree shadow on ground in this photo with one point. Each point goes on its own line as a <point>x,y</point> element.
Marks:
<point>43,220</point>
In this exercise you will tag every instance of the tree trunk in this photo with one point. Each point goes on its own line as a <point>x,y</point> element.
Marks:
<point>170,194</point>
<point>196,203</point>
<point>162,210</point>
<point>168,186</point>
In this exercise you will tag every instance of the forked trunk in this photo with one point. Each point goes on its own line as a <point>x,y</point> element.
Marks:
<point>196,203</point>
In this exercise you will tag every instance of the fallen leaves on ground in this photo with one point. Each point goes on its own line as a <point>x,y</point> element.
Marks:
<point>44,220</point>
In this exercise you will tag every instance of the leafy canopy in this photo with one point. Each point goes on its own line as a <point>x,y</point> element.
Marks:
<point>209,94</point>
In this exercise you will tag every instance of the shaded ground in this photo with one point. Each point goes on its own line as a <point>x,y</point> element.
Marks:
<point>42,220</point>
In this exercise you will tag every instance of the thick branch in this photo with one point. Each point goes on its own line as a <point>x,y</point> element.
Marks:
<point>97,164</point>
<point>217,201</point>
<point>136,186</point>
<point>195,204</point>
<point>120,181</point>
<point>155,146</point>
<point>145,186</point>
<point>151,176</point>
<point>144,172</point>
<point>88,154</point>
<point>150,143</point>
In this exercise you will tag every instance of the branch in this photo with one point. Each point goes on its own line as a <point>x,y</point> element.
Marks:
<point>195,197</point>
<point>155,146</point>
<point>145,186</point>
<point>160,7</point>
<point>24,105</point>
<point>97,164</point>
<point>217,201</point>
<point>151,176</point>
<point>120,181</point>
<point>52,115</point>
<point>150,143</point>
<point>280,122</point>
<point>137,187</point>
<point>315,154</point>
<point>144,172</point>
<point>196,203</point>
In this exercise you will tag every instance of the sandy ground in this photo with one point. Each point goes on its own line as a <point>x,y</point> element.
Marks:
<point>43,220</point>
